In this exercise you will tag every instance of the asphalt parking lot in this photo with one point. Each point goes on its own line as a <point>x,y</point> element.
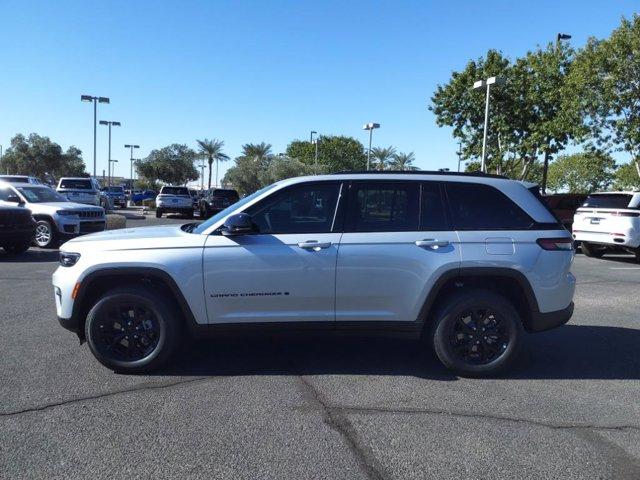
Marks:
<point>309,408</point>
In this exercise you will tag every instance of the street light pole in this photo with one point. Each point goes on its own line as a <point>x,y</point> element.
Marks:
<point>131,147</point>
<point>370,126</point>
<point>95,100</point>
<point>479,84</point>
<point>110,170</point>
<point>115,124</point>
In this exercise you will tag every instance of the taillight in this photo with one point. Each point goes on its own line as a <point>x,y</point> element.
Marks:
<point>562,244</point>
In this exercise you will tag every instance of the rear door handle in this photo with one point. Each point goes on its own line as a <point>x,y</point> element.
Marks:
<point>432,243</point>
<point>314,245</point>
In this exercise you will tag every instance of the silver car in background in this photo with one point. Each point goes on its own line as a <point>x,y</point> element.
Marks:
<point>57,219</point>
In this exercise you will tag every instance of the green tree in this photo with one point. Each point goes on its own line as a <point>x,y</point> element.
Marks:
<point>584,172</point>
<point>40,157</point>
<point>528,114</point>
<point>626,177</point>
<point>382,157</point>
<point>212,150</point>
<point>281,167</point>
<point>403,161</point>
<point>246,174</point>
<point>605,78</point>
<point>335,153</point>
<point>172,164</point>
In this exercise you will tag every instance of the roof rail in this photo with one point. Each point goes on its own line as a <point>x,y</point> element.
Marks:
<point>420,172</point>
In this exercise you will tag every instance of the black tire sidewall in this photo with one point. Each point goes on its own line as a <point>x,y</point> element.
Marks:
<point>165,315</point>
<point>455,306</point>
<point>158,213</point>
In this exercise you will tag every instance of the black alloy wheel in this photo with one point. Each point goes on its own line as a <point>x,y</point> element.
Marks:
<point>132,329</point>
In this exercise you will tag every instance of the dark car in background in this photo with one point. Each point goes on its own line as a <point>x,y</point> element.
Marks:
<point>17,229</point>
<point>216,199</point>
<point>564,206</point>
<point>117,196</point>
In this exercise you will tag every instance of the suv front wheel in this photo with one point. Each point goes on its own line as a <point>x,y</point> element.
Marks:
<point>132,329</point>
<point>477,333</point>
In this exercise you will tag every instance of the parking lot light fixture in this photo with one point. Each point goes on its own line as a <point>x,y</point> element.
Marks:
<point>109,123</point>
<point>131,147</point>
<point>371,127</point>
<point>481,84</point>
<point>95,100</point>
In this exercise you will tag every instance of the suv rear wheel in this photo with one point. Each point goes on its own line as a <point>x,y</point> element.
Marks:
<point>477,333</point>
<point>593,250</point>
<point>132,329</point>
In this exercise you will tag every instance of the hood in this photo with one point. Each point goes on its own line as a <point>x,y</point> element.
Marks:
<point>139,238</point>
<point>52,207</point>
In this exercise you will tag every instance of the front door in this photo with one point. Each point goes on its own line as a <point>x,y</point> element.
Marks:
<point>396,243</point>
<point>286,271</point>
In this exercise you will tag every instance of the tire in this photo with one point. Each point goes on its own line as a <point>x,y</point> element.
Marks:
<point>158,213</point>
<point>17,248</point>
<point>454,328</point>
<point>203,213</point>
<point>636,252</point>
<point>46,235</point>
<point>155,320</point>
<point>189,214</point>
<point>592,250</point>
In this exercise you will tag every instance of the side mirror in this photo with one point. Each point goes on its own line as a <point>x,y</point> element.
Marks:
<point>14,199</point>
<point>238,224</point>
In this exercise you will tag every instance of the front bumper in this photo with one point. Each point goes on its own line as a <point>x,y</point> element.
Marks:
<point>546,321</point>
<point>70,324</point>
<point>73,226</point>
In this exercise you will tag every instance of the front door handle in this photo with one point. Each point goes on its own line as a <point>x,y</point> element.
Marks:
<point>314,245</point>
<point>432,243</point>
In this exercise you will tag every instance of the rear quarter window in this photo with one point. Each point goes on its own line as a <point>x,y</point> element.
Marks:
<point>477,206</point>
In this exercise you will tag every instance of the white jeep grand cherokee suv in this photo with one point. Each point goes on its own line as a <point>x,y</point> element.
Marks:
<point>608,221</point>
<point>466,262</point>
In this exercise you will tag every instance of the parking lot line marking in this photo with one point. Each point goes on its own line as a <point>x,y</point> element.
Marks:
<point>624,268</point>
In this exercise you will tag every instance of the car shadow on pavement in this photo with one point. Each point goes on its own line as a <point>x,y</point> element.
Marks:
<point>622,259</point>
<point>33,255</point>
<point>569,352</point>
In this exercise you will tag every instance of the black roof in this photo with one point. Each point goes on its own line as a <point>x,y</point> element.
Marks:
<point>420,172</point>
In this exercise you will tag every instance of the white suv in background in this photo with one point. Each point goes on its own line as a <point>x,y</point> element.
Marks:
<point>174,200</point>
<point>607,221</point>
<point>80,190</point>
<point>466,262</point>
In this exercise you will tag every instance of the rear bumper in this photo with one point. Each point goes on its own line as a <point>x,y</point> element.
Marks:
<point>12,237</point>
<point>626,238</point>
<point>546,321</point>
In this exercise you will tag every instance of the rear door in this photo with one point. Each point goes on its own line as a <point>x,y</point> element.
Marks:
<point>397,242</point>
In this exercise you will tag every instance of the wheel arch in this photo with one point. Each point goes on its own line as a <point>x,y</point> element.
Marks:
<point>98,282</point>
<point>510,283</point>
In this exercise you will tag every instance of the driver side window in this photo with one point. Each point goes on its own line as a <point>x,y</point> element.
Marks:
<point>309,208</point>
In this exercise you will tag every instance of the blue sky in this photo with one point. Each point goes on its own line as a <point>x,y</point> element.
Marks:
<point>257,71</point>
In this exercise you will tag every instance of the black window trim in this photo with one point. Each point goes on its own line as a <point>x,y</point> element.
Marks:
<point>336,222</point>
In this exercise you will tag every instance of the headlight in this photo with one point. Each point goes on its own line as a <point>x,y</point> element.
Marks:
<point>67,213</point>
<point>68,259</point>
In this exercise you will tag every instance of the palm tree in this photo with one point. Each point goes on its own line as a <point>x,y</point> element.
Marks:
<point>383,156</point>
<point>258,151</point>
<point>403,161</point>
<point>212,150</point>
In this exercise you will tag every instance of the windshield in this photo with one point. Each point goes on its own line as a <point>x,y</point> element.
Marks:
<point>35,194</point>
<point>76,184</point>
<point>611,200</point>
<point>223,213</point>
<point>225,193</point>
<point>174,191</point>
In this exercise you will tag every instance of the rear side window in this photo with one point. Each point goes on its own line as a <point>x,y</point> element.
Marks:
<point>611,200</point>
<point>78,184</point>
<point>384,207</point>
<point>432,210</point>
<point>174,191</point>
<point>476,206</point>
